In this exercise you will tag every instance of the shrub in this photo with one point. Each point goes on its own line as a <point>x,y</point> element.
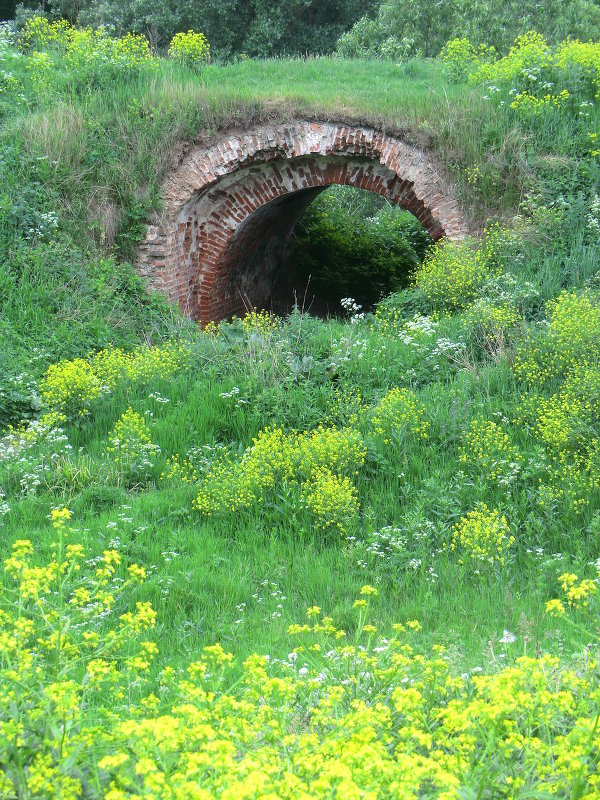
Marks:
<point>527,58</point>
<point>460,58</point>
<point>488,449</point>
<point>332,500</point>
<point>72,385</point>
<point>399,412</point>
<point>275,458</point>
<point>92,57</point>
<point>190,48</point>
<point>38,33</point>
<point>535,77</point>
<point>571,334</point>
<point>130,446</point>
<point>453,274</point>
<point>483,539</point>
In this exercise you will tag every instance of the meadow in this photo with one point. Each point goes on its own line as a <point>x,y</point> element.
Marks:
<point>354,557</point>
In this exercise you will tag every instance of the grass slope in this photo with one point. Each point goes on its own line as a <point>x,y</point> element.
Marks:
<point>471,398</point>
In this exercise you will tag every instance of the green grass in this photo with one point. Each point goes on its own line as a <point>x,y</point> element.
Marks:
<point>96,158</point>
<point>201,570</point>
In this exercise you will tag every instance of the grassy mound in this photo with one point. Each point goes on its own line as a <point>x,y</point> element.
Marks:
<point>425,479</point>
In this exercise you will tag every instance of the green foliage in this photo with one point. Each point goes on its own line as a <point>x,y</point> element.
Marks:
<point>483,539</point>
<point>402,28</point>
<point>130,446</point>
<point>190,48</point>
<point>91,57</point>
<point>85,705</point>
<point>233,27</point>
<point>340,251</point>
<point>453,274</point>
<point>460,58</point>
<point>322,456</point>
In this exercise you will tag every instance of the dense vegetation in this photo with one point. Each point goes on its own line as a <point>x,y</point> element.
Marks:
<point>392,29</point>
<point>351,243</point>
<point>234,27</point>
<point>402,28</point>
<point>424,479</point>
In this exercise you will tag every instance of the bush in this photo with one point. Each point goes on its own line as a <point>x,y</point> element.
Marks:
<point>130,447</point>
<point>190,48</point>
<point>70,386</point>
<point>483,539</point>
<point>460,57</point>
<point>92,57</point>
<point>452,275</point>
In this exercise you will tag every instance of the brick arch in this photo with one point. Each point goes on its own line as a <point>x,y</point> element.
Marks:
<point>230,208</point>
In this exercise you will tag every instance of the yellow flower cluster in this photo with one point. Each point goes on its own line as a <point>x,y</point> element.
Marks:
<point>388,319</point>
<point>530,68</point>
<point>180,470</point>
<point>55,665</point>
<point>39,68</point>
<point>566,420</point>
<point>581,59</point>
<point>71,386</point>
<point>573,333</point>
<point>39,33</point>
<point>529,51</point>
<point>399,412</point>
<point>262,323</point>
<point>473,174</point>
<point>483,538</point>
<point>115,366</point>
<point>341,451</point>
<point>488,448</point>
<point>571,482</point>
<point>565,351</point>
<point>130,445</point>
<point>460,57</point>
<point>275,458</point>
<point>130,426</point>
<point>190,48</point>
<point>375,719</point>
<point>346,407</point>
<point>529,103</point>
<point>578,594</point>
<point>332,500</point>
<point>82,47</point>
<point>452,275</point>
<point>88,50</point>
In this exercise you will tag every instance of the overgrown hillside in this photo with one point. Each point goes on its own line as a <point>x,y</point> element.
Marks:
<point>423,479</point>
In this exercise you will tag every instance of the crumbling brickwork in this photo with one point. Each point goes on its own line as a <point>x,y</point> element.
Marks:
<point>230,208</point>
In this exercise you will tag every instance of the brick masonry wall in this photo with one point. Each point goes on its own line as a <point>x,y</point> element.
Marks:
<point>229,208</point>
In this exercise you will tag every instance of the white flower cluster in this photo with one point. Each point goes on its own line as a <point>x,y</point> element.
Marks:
<point>593,215</point>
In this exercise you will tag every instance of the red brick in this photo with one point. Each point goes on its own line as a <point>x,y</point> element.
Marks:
<point>192,259</point>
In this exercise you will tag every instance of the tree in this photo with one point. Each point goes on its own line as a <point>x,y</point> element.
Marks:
<point>404,27</point>
<point>7,9</point>
<point>409,27</point>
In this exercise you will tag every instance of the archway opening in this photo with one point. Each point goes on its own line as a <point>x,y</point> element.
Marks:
<point>231,205</point>
<point>348,243</point>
